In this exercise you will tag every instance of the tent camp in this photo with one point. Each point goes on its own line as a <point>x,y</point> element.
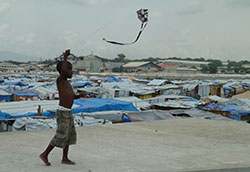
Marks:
<point>29,108</point>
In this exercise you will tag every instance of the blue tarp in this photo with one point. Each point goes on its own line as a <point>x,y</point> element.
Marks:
<point>240,112</point>
<point>24,93</point>
<point>4,115</point>
<point>111,79</point>
<point>6,98</point>
<point>246,86</point>
<point>25,76</point>
<point>85,105</point>
<point>237,114</point>
<point>223,108</point>
<point>95,105</point>
<point>232,109</point>
<point>15,83</point>
<point>190,99</point>
<point>227,90</point>
<point>81,84</point>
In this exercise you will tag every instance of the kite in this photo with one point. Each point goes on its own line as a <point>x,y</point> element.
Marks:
<point>142,15</point>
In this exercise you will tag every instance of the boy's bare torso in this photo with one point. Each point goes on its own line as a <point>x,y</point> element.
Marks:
<point>66,93</point>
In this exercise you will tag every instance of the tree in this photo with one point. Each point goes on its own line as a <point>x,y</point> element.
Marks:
<point>47,61</point>
<point>215,62</point>
<point>117,69</point>
<point>212,67</point>
<point>235,66</point>
<point>121,57</point>
<point>204,68</point>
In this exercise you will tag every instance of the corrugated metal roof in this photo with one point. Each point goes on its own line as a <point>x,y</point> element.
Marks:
<point>189,86</point>
<point>156,82</point>
<point>4,93</point>
<point>23,107</point>
<point>165,65</point>
<point>138,103</point>
<point>186,62</point>
<point>186,69</point>
<point>135,64</point>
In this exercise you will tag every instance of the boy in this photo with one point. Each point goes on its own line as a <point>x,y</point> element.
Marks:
<point>65,133</point>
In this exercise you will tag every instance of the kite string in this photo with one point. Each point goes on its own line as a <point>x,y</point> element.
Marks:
<point>99,29</point>
<point>142,15</point>
<point>143,26</point>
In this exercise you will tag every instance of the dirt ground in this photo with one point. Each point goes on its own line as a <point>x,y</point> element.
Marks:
<point>166,145</point>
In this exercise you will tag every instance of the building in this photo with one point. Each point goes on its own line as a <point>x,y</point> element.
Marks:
<point>31,68</point>
<point>186,70</point>
<point>90,63</point>
<point>169,68</point>
<point>21,96</point>
<point>141,67</point>
<point>108,66</point>
<point>182,66</point>
<point>10,68</point>
<point>184,63</point>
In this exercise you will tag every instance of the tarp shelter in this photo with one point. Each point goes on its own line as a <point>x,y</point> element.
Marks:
<point>24,95</point>
<point>12,109</point>
<point>18,83</point>
<point>240,115</point>
<point>81,84</point>
<point>95,105</point>
<point>5,96</point>
<point>4,116</point>
<point>222,108</point>
<point>112,79</point>
<point>138,103</point>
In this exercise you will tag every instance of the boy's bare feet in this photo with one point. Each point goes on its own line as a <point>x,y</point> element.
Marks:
<point>45,160</point>
<point>68,162</point>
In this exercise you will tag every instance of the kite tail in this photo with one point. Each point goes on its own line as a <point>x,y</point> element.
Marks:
<point>143,25</point>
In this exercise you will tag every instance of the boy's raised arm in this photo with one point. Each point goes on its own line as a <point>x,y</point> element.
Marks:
<point>65,64</point>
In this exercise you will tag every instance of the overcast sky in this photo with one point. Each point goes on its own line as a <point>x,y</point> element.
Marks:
<point>182,28</point>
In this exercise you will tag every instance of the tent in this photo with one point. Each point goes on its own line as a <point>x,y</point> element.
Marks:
<point>81,84</point>
<point>17,83</point>
<point>80,106</point>
<point>5,96</point>
<point>112,79</point>
<point>4,115</point>
<point>95,105</point>
<point>24,95</point>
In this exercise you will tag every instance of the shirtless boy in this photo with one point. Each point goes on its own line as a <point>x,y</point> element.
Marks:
<point>65,133</point>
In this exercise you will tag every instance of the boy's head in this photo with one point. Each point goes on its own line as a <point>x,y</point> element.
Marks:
<point>69,68</point>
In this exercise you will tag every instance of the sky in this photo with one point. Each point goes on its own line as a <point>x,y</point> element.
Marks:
<point>217,29</point>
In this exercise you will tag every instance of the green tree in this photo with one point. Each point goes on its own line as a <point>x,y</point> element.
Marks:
<point>121,57</point>
<point>47,61</point>
<point>215,62</point>
<point>204,68</point>
<point>117,69</point>
<point>235,66</point>
<point>212,67</point>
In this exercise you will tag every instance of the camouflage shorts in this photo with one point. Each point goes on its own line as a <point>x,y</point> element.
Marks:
<point>65,133</point>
